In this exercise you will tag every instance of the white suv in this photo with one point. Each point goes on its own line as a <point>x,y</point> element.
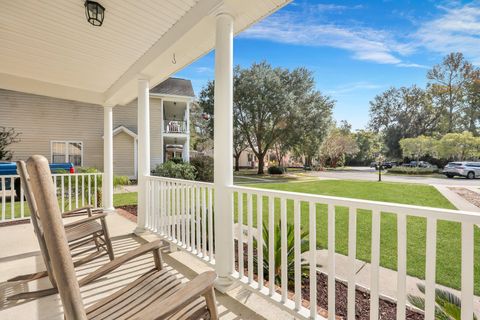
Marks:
<point>470,170</point>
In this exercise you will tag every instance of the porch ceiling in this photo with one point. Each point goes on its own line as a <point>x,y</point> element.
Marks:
<point>49,48</point>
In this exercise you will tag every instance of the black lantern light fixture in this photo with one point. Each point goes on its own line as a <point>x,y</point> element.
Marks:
<point>94,12</point>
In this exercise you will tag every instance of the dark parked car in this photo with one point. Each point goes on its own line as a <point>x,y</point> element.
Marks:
<point>385,165</point>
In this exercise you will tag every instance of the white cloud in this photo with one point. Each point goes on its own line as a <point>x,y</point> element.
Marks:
<point>458,29</point>
<point>350,87</point>
<point>365,44</point>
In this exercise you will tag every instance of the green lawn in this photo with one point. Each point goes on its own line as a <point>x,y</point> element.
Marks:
<point>448,234</point>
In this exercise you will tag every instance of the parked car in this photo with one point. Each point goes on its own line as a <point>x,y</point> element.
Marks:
<point>421,164</point>
<point>385,165</point>
<point>8,168</point>
<point>469,170</point>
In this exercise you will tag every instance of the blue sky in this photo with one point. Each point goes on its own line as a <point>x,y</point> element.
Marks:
<point>356,49</point>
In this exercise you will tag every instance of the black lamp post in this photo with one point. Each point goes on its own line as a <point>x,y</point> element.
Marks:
<point>94,12</point>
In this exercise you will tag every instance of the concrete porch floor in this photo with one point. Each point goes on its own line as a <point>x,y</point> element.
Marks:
<point>19,254</point>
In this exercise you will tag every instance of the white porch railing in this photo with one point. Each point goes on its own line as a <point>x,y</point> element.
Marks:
<point>73,191</point>
<point>181,211</point>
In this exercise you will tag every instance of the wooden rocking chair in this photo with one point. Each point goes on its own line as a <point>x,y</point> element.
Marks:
<point>80,233</point>
<point>157,294</point>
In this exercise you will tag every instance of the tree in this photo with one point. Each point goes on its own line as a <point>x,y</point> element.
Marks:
<point>275,107</point>
<point>459,146</point>
<point>239,145</point>
<point>370,145</point>
<point>447,82</point>
<point>403,113</point>
<point>201,129</point>
<point>8,136</point>
<point>337,145</point>
<point>418,147</point>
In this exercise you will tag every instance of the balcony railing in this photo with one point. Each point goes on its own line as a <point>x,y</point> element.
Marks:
<point>73,191</point>
<point>181,211</point>
<point>174,126</point>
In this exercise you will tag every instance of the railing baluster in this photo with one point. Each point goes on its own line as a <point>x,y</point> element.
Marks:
<point>210,223</point>
<point>375,262</point>
<point>467,270</point>
<point>204,222</point>
<point>62,181</point>
<point>22,202</point>
<point>69,192</point>
<point>313,258</point>
<point>283,241</point>
<point>250,237</point>
<point>430,268</point>
<point>401,265</point>
<point>352,253</point>
<point>177,211</point>
<point>163,230</point>
<point>331,261</point>
<point>298,253</point>
<point>187,222</point>
<point>89,193</point>
<point>271,239</point>
<point>76,191</point>
<point>240,235</point>
<point>260,240</point>
<point>197,210</point>
<point>184,214</point>
<point>192,217</point>
<point>83,190</point>
<point>12,198</point>
<point>95,177</point>
<point>4,198</point>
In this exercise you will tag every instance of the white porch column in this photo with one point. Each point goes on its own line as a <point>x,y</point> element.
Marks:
<point>143,119</point>
<point>186,146</point>
<point>223,146</point>
<point>107,184</point>
<point>162,130</point>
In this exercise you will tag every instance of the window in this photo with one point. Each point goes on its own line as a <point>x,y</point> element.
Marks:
<point>67,151</point>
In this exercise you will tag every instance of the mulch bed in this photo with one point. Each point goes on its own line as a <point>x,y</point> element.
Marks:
<point>387,309</point>
<point>469,195</point>
<point>128,211</point>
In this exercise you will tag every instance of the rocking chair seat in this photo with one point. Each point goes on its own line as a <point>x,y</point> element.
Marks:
<point>81,231</point>
<point>153,286</point>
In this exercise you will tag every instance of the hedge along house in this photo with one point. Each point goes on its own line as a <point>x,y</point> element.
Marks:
<point>59,134</point>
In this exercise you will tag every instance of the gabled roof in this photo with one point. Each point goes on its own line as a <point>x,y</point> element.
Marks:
<point>174,87</point>
<point>128,131</point>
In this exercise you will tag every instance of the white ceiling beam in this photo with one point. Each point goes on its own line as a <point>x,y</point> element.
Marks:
<point>16,83</point>
<point>194,16</point>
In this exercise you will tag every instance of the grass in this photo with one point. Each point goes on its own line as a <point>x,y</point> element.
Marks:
<point>119,199</point>
<point>448,233</point>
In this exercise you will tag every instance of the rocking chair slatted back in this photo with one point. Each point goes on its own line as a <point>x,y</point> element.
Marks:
<point>55,237</point>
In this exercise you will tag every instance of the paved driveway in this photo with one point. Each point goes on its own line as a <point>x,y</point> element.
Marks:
<point>365,173</point>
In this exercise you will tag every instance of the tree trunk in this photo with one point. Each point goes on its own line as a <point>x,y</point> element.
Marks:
<point>237,162</point>
<point>261,164</point>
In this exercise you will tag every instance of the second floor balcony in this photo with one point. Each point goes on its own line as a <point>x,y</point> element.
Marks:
<point>174,126</point>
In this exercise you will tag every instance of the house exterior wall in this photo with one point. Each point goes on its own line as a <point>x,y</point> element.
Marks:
<point>123,155</point>
<point>42,119</point>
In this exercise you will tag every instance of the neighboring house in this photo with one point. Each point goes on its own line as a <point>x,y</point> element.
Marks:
<point>249,160</point>
<point>70,131</point>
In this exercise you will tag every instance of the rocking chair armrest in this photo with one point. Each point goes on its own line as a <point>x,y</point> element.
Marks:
<point>153,247</point>
<point>79,211</point>
<point>201,285</point>
<point>85,220</point>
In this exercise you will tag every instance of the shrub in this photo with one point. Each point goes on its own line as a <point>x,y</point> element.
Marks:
<point>276,170</point>
<point>413,170</point>
<point>204,168</point>
<point>277,252</point>
<point>171,169</point>
<point>177,160</point>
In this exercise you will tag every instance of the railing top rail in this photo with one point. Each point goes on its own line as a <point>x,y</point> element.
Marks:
<point>182,181</point>
<point>60,174</point>
<point>412,210</point>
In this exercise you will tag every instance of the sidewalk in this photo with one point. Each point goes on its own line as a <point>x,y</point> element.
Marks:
<point>459,202</point>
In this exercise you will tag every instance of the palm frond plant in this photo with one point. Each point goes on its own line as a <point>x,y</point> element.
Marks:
<point>277,248</point>
<point>447,305</point>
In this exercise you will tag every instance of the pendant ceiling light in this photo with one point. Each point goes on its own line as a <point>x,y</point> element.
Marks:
<point>94,12</point>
